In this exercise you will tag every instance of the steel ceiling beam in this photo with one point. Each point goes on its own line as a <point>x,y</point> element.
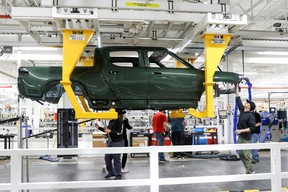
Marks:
<point>154,5</point>
<point>210,24</point>
<point>40,13</point>
<point>276,7</point>
<point>168,27</point>
<point>31,13</point>
<point>262,34</point>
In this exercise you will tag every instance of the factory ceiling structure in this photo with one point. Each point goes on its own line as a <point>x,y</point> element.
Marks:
<point>257,50</point>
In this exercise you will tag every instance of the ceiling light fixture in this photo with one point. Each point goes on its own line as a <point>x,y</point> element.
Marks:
<point>247,73</point>
<point>273,53</point>
<point>99,41</point>
<point>36,48</point>
<point>183,46</point>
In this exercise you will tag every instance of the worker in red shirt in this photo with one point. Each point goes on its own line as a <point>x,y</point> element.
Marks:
<point>160,123</point>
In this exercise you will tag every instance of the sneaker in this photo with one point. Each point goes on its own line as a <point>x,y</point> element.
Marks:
<point>164,161</point>
<point>104,168</point>
<point>252,172</point>
<point>124,170</point>
<point>118,178</point>
<point>254,161</point>
<point>109,175</point>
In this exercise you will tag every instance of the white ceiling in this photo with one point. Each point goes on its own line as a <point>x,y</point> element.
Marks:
<point>26,24</point>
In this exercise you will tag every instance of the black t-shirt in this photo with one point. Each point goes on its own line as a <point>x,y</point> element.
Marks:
<point>258,120</point>
<point>126,126</point>
<point>115,125</point>
<point>246,120</point>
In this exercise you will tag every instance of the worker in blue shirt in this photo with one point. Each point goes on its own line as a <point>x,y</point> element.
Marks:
<point>177,136</point>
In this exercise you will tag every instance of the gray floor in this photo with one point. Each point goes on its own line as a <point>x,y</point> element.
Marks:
<point>90,168</point>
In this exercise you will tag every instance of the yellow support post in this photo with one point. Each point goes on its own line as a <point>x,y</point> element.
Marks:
<point>74,42</point>
<point>191,60</point>
<point>215,45</point>
<point>84,104</point>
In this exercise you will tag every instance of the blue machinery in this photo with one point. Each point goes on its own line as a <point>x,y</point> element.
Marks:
<point>273,118</point>
<point>268,135</point>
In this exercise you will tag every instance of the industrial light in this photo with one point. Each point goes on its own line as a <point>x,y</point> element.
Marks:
<point>36,48</point>
<point>183,46</point>
<point>273,53</point>
<point>99,41</point>
<point>247,73</point>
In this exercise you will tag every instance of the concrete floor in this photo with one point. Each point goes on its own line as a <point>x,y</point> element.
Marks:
<point>90,168</point>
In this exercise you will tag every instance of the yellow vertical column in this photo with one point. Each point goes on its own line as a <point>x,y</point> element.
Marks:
<point>74,43</point>
<point>215,45</point>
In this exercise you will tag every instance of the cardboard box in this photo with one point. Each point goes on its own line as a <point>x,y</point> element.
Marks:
<point>140,141</point>
<point>99,140</point>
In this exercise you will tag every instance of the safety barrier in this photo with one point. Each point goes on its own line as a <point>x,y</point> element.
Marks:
<point>276,175</point>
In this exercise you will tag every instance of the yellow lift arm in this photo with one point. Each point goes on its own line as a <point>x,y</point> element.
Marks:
<point>216,38</point>
<point>215,45</point>
<point>74,42</point>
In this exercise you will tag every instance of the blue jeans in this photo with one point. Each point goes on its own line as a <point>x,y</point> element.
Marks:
<point>254,152</point>
<point>160,138</point>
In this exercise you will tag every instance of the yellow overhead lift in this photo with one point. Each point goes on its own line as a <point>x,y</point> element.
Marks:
<point>215,45</point>
<point>74,42</point>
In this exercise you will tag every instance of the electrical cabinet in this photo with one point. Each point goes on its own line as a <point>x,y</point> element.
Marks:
<point>67,129</point>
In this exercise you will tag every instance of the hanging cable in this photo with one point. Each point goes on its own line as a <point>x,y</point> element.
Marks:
<point>243,62</point>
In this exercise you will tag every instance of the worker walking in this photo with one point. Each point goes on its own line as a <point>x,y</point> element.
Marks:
<point>159,123</point>
<point>126,126</point>
<point>115,139</point>
<point>255,137</point>
<point>246,124</point>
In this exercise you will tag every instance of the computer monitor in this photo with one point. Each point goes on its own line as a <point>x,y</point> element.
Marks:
<point>272,110</point>
<point>222,114</point>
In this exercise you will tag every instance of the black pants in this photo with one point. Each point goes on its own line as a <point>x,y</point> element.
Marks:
<point>114,167</point>
<point>178,138</point>
<point>124,157</point>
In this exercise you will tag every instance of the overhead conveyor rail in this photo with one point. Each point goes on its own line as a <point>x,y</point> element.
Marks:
<point>94,15</point>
